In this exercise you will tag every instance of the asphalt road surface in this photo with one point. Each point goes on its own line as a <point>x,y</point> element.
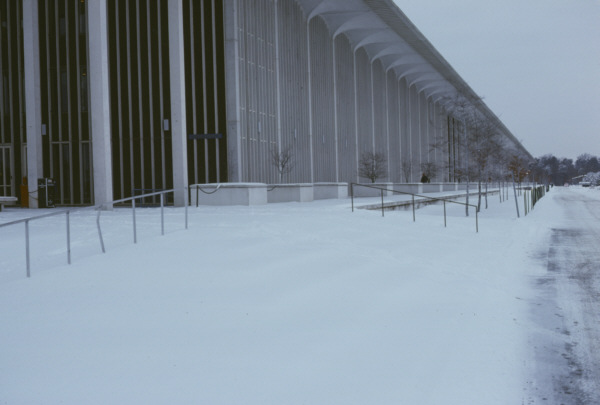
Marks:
<point>566,342</point>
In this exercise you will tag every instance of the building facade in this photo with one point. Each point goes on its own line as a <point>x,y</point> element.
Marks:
<point>110,98</point>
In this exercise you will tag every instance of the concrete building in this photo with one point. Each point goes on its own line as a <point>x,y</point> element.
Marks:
<point>113,97</point>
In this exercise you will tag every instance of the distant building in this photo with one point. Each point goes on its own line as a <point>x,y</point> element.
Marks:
<point>111,96</point>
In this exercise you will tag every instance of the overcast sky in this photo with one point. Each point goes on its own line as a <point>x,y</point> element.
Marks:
<point>536,63</point>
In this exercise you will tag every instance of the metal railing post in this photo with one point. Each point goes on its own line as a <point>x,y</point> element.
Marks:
<point>413,205</point>
<point>27,249</point>
<point>100,230</point>
<point>444,213</point>
<point>352,195</point>
<point>382,214</point>
<point>134,222</point>
<point>515,194</point>
<point>197,191</point>
<point>68,238</point>
<point>162,214</point>
<point>186,209</point>
<point>476,222</point>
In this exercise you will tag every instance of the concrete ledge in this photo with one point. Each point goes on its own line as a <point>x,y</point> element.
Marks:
<point>433,187</point>
<point>450,187</point>
<point>229,194</point>
<point>360,191</point>
<point>300,192</point>
<point>7,201</point>
<point>324,191</point>
<point>413,188</point>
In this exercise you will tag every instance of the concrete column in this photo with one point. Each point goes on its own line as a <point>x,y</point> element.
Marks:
<point>437,134</point>
<point>178,113</point>
<point>232,91</point>
<point>335,112</point>
<point>310,115</point>
<point>277,76</point>
<point>416,133</point>
<point>410,129</point>
<point>356,178</point>
<point>423,129</point>
<point>372,109</point>
<point>387,127</point>
<point>424,133</point>
<point>33,97</point>
<point>99,100</point>
<point>403,104</point>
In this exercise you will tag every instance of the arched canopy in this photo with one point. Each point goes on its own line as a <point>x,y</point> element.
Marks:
<point>386,34</point>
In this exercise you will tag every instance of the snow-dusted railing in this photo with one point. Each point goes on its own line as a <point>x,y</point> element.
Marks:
<point>425,197</point>
<point>98,208</point>
<point>132,199</point>
<point>531,195</point>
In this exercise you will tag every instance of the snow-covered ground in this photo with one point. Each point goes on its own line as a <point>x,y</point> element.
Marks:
<point>291,303</point>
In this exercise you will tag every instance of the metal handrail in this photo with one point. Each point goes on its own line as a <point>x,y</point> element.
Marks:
<point>98,208</point>
<point>427,198</point>
<point>531,196</point>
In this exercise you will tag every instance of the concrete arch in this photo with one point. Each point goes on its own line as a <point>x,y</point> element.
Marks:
<point>379,36</point>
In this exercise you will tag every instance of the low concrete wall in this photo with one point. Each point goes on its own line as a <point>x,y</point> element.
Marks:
<point>360,191</point>
<point>450,187</point>
<point>463,186</point>
<point>229,194</point>
<point>412,188</point>
<point>324,191</point>
<point>300,192</point>
<point>433,187</point>
<point>7,201</point>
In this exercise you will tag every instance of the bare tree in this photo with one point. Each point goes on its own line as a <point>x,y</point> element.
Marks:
<point>480,142</point>
<point>462,109</point>
<point>372,166</point>
<point>282,162</point>
<point>518,166</point>
<point>486,147</point>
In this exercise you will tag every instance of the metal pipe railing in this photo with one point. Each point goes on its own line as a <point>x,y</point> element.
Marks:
<point>426,198</point>
<point>68,238</point>
<point>27,248</point>
<point>531,195</point>
<point>98,208</point>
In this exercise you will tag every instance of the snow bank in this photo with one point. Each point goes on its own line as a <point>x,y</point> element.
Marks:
<point>278,304</point>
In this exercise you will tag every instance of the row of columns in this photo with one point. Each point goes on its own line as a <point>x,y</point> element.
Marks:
<point>100,119</point>
<point>422,105</point>
<point>418,104</point>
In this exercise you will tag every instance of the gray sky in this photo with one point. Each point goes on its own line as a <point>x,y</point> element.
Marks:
<point>536,63</point>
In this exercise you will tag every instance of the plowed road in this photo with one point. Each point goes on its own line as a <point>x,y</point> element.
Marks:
<point>567,311</point>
